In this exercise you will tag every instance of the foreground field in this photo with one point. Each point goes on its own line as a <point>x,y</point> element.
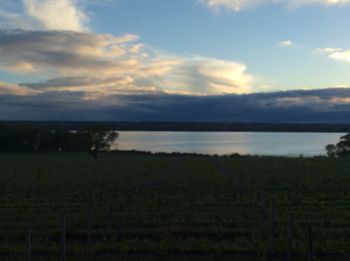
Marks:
<point>146,207</point>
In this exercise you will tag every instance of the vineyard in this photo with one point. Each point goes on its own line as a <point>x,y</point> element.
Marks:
<point>170,207</point>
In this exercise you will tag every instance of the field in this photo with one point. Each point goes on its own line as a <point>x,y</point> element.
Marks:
<point>171,207</point>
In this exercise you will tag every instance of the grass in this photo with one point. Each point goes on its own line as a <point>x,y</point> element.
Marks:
<point>172,207</point>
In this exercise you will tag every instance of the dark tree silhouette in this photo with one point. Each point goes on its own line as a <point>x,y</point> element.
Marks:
<point>100,138</point>
<point>331,150</point>
<point>341,149</point>
<point>26,138</point>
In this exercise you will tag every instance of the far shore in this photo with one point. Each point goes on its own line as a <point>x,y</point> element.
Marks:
<point>202,155</point>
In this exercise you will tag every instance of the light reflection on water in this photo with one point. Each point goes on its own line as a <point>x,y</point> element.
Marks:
<point>254,143</point>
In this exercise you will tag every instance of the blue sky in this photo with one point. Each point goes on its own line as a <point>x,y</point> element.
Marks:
<point>250,36</point>
<point>96,50</point>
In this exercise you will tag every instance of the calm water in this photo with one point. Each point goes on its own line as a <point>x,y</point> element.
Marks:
<point>255,143</point>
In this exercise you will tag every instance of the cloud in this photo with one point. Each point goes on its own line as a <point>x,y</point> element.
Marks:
<point>43,15</point>
<point>285,43</point>
<point>16,90</point>
<point>313,106</point>
<point>63,52</point>
<point>201,75</point>
<point>238,5</point>
<point>296,3</point>
<point>51,42</point>
<point>337,54</point>
<point>57,15</point>
<point>101,65</point>
<point>234,5</point>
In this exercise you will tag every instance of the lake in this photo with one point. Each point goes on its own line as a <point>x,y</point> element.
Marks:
<point>221,143</point>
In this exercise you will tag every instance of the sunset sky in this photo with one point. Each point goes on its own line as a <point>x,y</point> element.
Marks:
<point>173,60</point>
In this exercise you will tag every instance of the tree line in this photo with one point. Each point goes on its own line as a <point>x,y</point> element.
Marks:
<point>30,138</point>
<point>195,126</point>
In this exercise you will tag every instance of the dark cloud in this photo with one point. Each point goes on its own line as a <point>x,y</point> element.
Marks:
<point>314,106</point>
<point>63,52</point>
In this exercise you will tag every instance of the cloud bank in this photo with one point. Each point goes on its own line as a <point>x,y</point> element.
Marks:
<point>51,40</point>
<point>238,5</point>
<point>90,76</point>
<point>316,106</point>
<point>102,65</point>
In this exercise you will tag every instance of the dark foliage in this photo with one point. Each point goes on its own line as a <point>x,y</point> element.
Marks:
<point>190,126</point>
<point>30,138</point>
<point>341,149</point>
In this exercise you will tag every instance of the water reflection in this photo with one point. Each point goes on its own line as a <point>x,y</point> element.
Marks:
<point>289,144</point>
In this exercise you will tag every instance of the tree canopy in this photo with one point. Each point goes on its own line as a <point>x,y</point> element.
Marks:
<point>341,149</point>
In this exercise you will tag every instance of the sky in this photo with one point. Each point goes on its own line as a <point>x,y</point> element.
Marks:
<point>183,60</point>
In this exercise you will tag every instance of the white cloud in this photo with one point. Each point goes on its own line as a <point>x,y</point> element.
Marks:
<point>234,5</point>
<point>328,50</point>
<point>335,54</point>
<point>50,39</point>
<point>57,14</point>
<point>101,65</point>
<point>285,43</point>
<point>206,76</point>
<point>238,5</point>
<point>342,86</point>
<point>318,2</point>
<point>43,15</point>
<point>341,56</point>
<point>224,76</point>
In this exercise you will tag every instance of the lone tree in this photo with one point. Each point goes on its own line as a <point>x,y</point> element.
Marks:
<point>341,149</point>
<point>99,138</point>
